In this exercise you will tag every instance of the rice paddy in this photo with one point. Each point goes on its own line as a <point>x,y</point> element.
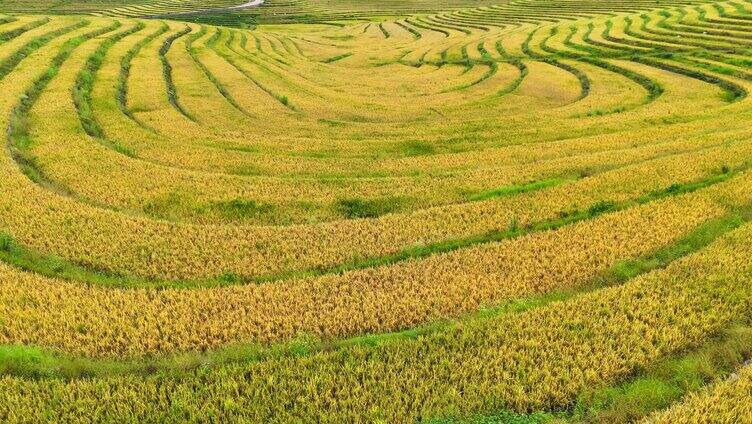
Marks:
<point>390,212</point>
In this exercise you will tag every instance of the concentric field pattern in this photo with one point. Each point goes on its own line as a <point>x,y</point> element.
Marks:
<point>376,212</point>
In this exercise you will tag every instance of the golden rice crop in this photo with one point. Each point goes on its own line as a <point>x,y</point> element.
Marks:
<point>389,298</point>
<point>368,212</point>
<point>538,359</point>
<point>728,401</point>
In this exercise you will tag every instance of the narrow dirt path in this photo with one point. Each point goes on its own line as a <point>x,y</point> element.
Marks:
<point>248,5</point>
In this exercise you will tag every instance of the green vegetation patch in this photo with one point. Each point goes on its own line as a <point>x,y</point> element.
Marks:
<point>370,208</point>
<point>512,190</point>
<point>416,148</point>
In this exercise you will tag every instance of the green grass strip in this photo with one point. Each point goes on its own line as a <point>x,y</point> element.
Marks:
<point>125,71</point>
<point>172,92</point>
<point>651,389</point>
<point>193,51</point>
<point>667,381</point>
<point>518,189</point>
<point>337,57</point>
<point>415,33</point>
<point>582,78</point>
<point>383,30</point>
<point>284,100</point>
<point>732,91</point>
<point>85,85</point>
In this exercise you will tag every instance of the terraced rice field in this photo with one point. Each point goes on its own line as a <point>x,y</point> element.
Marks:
<point>394,212</point>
